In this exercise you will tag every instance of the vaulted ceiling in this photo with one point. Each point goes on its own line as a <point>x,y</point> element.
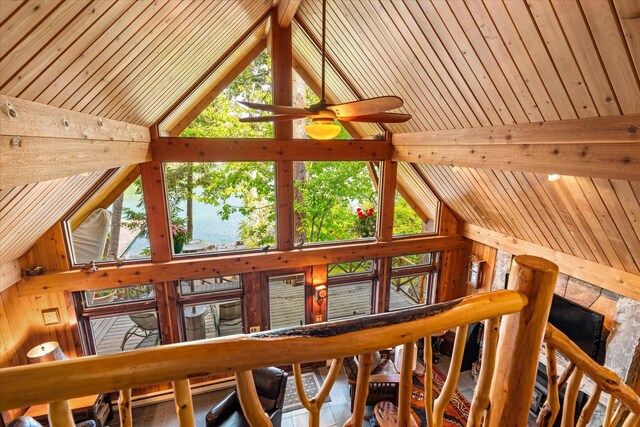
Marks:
<point>457,64</point>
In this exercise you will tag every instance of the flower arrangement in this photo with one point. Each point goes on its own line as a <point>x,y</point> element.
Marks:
<point>179,234</point>
<point>365,225</point>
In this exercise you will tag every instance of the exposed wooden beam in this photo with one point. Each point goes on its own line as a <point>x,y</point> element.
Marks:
<point>225,74</point>
<point>39,142</point>
<point>597,160</point>
<point>609,278</point>
<point>177,149</point>
<point>155,203</point>
<point>386,200</point>
<point>604,130</point>
<point>126,275</point>
<point>286,11</point>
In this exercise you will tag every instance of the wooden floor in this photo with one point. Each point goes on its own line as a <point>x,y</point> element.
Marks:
<point>287,309</point>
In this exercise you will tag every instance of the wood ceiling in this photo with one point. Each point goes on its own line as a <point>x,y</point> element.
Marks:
<point>456,64</point>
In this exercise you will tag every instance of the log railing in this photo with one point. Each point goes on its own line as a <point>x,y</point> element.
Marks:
<point>580,364</point>
<point>524,306</point>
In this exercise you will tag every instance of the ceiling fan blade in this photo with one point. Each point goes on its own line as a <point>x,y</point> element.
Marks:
<point>280,109</point>
<point>366,106</point>
<point>274,118</point>
<point>378,118</point>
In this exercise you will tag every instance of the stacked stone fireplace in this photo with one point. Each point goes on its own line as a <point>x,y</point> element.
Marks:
<point>621,319</point>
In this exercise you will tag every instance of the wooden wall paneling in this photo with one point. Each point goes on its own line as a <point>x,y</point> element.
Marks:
<point>10,274</point>
<point>617,214</point>
<point>155,203</point>
<point>463,32</point>
<point>424,59</point>
<point>8,353</point>
<point>484,253</point>
<point>629,201</point>
<point>19,329</point>
<point>9,8</point>
<point>451,283</point>
<point>481,102</point>
<point>92,66</point>
<point>74,37</point>
<point>449,223</point>
<point>617,281</point>
<point>282,69</point>
<point>586,55</point>
<point>628,12</point>
<point>189,62</point>
<point>187,267</point>
<point>520,69</point>
<point>49,251</point>
<point>603,24</point>
<point>181,38</point>
<point>37,36</point>
<point>553,40</point>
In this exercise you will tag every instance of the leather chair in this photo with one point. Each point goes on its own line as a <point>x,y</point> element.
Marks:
<point>270,385</point>
<point>26,421</point>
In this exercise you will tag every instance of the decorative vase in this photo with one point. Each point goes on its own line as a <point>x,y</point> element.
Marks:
<point>177,248</point>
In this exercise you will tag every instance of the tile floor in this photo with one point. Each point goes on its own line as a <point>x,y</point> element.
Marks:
<point>333,413</point>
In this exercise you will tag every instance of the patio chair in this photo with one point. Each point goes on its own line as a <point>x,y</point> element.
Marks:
<point>144,325</point>
<point>230,314</point>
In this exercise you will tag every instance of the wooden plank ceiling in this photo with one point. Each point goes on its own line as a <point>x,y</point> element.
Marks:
<point>468,64</point>
<point>456,64</point>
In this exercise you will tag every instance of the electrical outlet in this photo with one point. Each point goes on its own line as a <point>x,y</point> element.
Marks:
<point>254,329</point>
<point>318,318</point>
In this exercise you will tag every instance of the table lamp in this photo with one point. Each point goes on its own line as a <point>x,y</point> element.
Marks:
<point>46,352</point>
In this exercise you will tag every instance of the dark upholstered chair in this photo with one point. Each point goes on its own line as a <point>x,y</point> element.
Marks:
<point>30,422</point>
<point>384,383</point>
<point>270,385</point>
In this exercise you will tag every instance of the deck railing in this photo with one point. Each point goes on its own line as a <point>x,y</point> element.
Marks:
<point>506,379</point>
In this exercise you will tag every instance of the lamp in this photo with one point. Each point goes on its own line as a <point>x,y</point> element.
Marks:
<point>322,128</point>
<point>47,352</point>
<point>321,293</point>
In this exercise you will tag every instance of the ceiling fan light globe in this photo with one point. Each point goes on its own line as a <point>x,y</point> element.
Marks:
<point>322,131</point>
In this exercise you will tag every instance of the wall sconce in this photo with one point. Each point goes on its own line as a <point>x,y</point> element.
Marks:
<point>321,293</point>
<point>46,352</point>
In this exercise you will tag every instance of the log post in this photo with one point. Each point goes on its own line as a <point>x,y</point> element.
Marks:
<point>184,403</point>
<point>60,414</point>
<point>520,340</point>
<point>406,385</point>
<point>124,408</point>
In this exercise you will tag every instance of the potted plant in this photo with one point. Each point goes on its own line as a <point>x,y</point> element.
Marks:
<point>365,225</point>
<point>180,237</point>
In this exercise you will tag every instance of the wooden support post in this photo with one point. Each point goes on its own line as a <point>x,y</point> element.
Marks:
<point>60,414</point>
<point>384,284</point>
<point>124,408</point>
<point>362,391</point>
<point>282,95</point>
<point>480,401</point>
<point>519,343</point>
<point>251,406</point>
<point>184,403</point>
<point>152,174</point>
<point>386,200</point>
<point>406,385</point>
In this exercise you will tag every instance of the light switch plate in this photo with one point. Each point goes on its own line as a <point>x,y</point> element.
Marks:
<point>318,318</point>
<point>50,316</point>
<point>254,329</point>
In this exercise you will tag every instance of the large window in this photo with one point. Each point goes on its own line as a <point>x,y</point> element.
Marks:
<point>349,299</point>
<point>218,207</point>
<point>286,300</point>
<point>413,279</point>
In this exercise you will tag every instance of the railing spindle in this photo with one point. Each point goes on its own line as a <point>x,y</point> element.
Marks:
<point>632,420</point>
<point>362,391</point>
<point>589,408</point>
<point>608,414</point>
<point>617,415</point>
<point>60,414</point>
<point>406,384</point>
<point>428,380</point>
<point>184,403</point>
<point>481,397</point>
<point>251,407</point>
<point>551,407</point>
<point>314,405</point>
<point>450,383</point>
<point>570,396</point>
<point>124,408</point>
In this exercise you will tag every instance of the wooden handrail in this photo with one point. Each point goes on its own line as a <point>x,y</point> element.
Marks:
<point>604,378</point>
<point>27,385</point>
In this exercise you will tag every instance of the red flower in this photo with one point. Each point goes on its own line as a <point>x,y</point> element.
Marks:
<point>360,215</point>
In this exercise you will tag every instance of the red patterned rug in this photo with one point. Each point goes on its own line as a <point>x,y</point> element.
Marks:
<point>455,414</point>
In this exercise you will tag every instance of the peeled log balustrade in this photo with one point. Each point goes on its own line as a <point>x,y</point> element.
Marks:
<point>525,306</point>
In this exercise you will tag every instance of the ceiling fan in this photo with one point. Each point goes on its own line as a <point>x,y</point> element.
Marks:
<point>372,110</point>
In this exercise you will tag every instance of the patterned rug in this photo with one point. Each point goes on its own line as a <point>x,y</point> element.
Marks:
<point>455,414</point>
<point>311,380</point>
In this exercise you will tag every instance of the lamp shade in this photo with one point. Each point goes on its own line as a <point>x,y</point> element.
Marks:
<point>47,352</point>
<point>322,131</point>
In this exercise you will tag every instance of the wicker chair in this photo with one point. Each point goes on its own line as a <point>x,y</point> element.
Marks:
<point>384,383</point>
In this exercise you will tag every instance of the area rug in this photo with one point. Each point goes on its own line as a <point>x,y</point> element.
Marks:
<point>311,380</point>
<point>456,412</point>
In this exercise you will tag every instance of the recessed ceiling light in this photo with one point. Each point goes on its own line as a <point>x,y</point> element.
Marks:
<point>553,177</point>
<point>455,168</point>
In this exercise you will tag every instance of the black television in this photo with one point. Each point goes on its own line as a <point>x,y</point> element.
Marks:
<point>582,325</point>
